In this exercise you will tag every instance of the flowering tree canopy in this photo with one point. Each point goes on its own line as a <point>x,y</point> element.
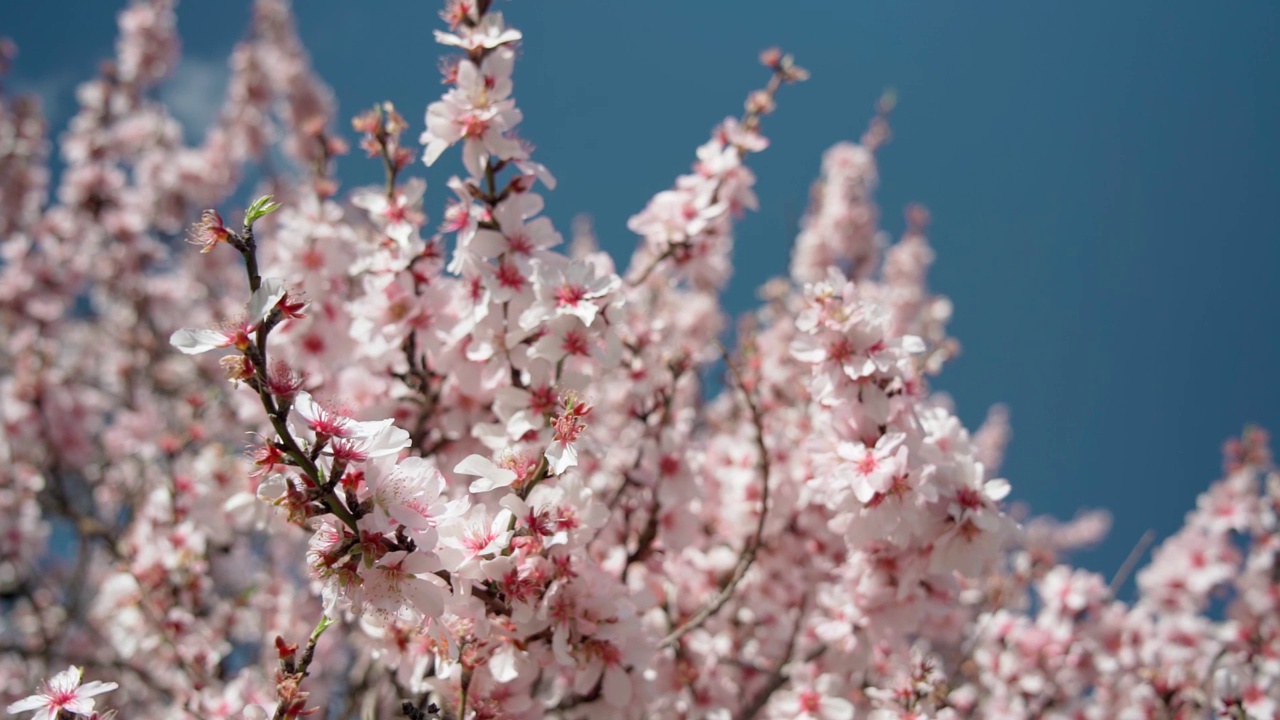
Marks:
<point>333,456</point>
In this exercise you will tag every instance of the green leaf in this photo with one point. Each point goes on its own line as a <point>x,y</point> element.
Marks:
<point>260,208</point>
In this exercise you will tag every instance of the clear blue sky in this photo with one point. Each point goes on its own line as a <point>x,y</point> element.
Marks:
<point>1102,178</point>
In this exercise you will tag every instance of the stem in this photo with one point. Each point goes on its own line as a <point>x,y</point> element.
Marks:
<point>250,253</point>
<point>289,702</point>
<point>389,164</point>
<point>258,355</point>
<point>464,686</point>
<point>1130,562</point>
<point>644,275</point>
<point>324,624</point>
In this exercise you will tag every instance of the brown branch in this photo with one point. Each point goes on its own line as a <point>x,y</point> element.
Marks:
<point>278,414</point>
<point>289,679</point>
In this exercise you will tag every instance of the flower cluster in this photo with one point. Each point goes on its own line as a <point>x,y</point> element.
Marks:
<point>691,224</point>
<point>344,460</point>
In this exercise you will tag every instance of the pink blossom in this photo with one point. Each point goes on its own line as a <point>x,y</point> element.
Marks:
<point>489,475</point>
<point>193,341</point>
<point>489,33</point>
<point>63,693</point>
<point>815,702</point>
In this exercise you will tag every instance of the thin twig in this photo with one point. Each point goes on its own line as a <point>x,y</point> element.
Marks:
<point>644,274</point>
<point>289,684</point>
<point>1131,562</point>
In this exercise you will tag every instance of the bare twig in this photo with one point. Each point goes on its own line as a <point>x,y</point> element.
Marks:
<point>1143,544</point>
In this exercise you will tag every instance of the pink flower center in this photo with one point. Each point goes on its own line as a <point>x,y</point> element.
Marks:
<point>478,541</point>
<point>313,344</point>
<point>399,309</point>
<point>349,451</point>
<point>313,259</point>
<point>395,213</point>
<point>330,424</point>
<point>421,508</point>
<point>575,343</point>
<point>456,217</point>
<point>520,243</point>
<point>669,465</point>
<point>567,429</point>
<point>509,276</point>
<point>867,464</point>
<point>969,498</point>
<point>473,126</point>
<point>840,350</point>
<point>570,295</point>
<point>542,399</point>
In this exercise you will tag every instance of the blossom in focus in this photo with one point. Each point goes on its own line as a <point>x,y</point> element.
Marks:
<point>63,693</point>
<point>194,341</point>
<point>209,231</point>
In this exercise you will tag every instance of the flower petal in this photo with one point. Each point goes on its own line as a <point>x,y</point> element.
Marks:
<point>193,341</point>
<point>491,476</point>
<point>265,298</point>
<point>30,703</point>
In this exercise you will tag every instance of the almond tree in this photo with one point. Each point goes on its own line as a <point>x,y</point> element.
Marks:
<point>330,457</point>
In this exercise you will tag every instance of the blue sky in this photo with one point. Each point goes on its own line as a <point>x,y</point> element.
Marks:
<point>1101,176</point>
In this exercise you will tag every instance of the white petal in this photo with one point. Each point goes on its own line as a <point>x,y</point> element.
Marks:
<point>487,243</point>
<point>863,490</point>
<point>502,664</point>
<point>389,440</point>
<point>491,475</point>
<point>807,349</point>
<point>435,147</point>
<point>273,488</point>
<point>562,456</point>
<point>997,489</point>
<point>31,703</point>
<point>541,172</point>
<point>427,597</point>
<point>307,407</point>
<point>617,686</point>
<point>560,646</point>
<point>265,298</point>
<point>834,708</point>
<point>512,502</point>
<point>194,341</point>
<point>473,158</point>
